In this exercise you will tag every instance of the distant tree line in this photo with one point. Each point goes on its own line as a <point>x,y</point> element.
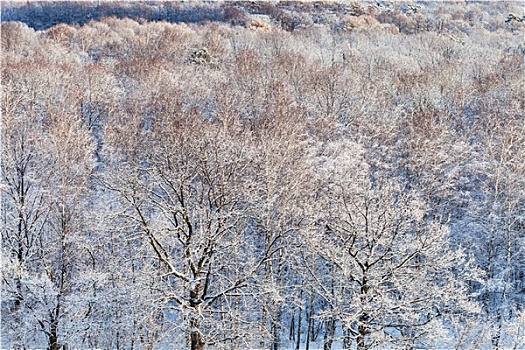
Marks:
<point>41,15</point>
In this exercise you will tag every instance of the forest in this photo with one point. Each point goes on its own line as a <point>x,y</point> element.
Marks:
<point>262,175</point>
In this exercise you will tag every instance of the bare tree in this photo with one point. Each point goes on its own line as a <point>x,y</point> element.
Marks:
<point>396,279</point>
<point>186,191</point>
<point>45,170</point>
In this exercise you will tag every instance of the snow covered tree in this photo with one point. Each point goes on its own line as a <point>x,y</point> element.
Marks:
<point>186,191</point>
<point>314,185</point>
<point>45,173</point>
<point>394,280</point>
<point>497,220</point>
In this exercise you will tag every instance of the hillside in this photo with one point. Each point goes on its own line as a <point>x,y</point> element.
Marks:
<point>263,175</point>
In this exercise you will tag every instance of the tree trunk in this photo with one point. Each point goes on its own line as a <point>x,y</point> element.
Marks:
<point>362,328</point>
<point>196,341</point>
<point>309,321</point>
<point>497,333</point>
<point>347,340</point>
<point>308,332</point>
<point>291,335</point>
<point>263,326</point>
<point>362,331</point>
<point>53,336</point>
<point>329,334</point>
<point>276,328</point>
<point>299,320</point>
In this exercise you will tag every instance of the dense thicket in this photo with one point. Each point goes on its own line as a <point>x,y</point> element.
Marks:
<point>284,175</point>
